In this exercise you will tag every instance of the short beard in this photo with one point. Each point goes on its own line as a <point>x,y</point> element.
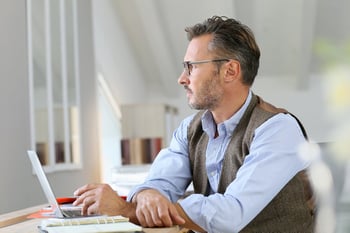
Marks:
<point>208,97</point>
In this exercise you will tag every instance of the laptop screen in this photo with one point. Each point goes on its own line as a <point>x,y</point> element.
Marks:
<point>45,185</point>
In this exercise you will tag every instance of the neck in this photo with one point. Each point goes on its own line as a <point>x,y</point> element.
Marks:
<point>230,105</point>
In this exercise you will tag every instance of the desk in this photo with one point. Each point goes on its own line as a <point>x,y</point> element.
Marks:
<point>17,222</point>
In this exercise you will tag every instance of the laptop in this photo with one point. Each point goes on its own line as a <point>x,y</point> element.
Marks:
<point>59,211</point>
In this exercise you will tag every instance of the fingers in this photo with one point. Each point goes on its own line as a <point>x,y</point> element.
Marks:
<point>176,217</point>
<point>99,199</point>
<point>154,210</point>
<point>84,189</point>
<point>86,200</point>
<point>149,218</point>
<point>88,206</point>
<point>143,218</point>
<point>163,217</point>
<point>81,198</point>
<point>158,217</point>
<point>86,197</point>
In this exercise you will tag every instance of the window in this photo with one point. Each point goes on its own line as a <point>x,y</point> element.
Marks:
<point>54,82</point>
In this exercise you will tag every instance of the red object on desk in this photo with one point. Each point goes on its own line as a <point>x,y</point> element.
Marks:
<point>43,213</point>
<point>47,211</point>
<point>65,200</point>
<point>69,200</point>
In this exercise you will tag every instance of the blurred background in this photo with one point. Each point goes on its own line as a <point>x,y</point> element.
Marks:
<point>92,85</point>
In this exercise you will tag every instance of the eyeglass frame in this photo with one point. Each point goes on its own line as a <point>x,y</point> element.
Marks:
<point>187,64</point>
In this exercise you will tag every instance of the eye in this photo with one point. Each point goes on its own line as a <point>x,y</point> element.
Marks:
<point>187,67</point>
<point>190,67</point>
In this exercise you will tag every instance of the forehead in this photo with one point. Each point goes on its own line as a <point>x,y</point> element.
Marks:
<point>198,48</point>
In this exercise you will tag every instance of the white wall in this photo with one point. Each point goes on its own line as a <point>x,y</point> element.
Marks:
<point>19,188</point>
<point>14,125</point>
<point>114,57</point>
<point>308,103</point>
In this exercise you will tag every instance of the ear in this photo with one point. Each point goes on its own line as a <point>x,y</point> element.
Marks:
<point>233,70</point>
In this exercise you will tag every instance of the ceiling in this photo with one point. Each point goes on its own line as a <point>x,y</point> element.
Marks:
<point>285,31</point>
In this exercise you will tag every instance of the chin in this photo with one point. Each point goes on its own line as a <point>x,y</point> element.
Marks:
<point>191,105</point>
<point>194,106</point>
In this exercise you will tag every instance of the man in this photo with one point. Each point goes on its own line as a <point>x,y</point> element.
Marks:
<point>239,151</point>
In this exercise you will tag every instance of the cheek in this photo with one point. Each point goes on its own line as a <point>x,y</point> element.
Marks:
<point>194,86</point>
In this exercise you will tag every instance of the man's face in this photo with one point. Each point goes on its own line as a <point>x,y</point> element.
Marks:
<point>204,84</point>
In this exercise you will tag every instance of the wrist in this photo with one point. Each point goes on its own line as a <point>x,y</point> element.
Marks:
<point>136,195</point>
<point>129,211</point>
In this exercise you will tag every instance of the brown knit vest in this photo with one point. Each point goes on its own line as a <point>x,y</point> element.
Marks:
<point>292,208</point>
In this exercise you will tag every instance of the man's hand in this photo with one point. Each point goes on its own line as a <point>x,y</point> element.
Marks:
<point>102,199</point>
<point>153,209</point>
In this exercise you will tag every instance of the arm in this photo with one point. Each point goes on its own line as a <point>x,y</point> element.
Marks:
<point>167,181</point>
<point>153,209</point>
<point>274,150</point>
<point>149,208</point>
<point>102,199</point>
<point>188,223</point>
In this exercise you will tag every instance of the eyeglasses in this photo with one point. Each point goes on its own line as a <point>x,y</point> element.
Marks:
<point>188,64</point>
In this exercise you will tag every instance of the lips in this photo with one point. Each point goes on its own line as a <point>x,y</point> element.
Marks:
<point>188,90</point>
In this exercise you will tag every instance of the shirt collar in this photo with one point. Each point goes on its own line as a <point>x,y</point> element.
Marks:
<point>229,125</point>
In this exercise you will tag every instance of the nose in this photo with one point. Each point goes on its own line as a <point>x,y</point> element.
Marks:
<point>183,78</point>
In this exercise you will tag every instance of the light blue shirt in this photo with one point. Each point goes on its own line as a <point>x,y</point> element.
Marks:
<point>273,160</point>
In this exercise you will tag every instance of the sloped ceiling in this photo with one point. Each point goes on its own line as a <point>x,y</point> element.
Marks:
<point>285,31</point>
<point>155,28</point>
<point>156,32</point>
